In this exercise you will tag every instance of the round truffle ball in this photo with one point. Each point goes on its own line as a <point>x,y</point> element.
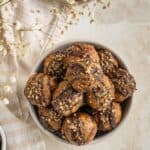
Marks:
<point>54,65</point>
<point>100,97</point>
<point>79,128</point>
<point>84,69</point>
<point>108,62</point>
<point>82,77</point>
<point>61,88</point>
<point>38,89</point>
<point>66,100</point>
<point>50,119</point>
<point>81,51</point>
<point>108,120</point>
<point>124,85</point>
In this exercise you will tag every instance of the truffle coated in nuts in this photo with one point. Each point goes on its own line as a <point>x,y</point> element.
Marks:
<point>81,51</point>
<point>50,119</point>
<point>124,85</point>
<point>53,83</point>
<point>68,102</point>
<point>79,128</point>
<point>110,119</point>
<point>54,65</point>
<point>83,77</point>
<point>38,89</point>
<point>108,62</point>
<point>100,97</point>
<point>83,66</point>
<point>116,114</point>
<point>61,88</point>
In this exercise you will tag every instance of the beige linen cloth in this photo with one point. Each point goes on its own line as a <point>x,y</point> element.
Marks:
<point>29,28</point>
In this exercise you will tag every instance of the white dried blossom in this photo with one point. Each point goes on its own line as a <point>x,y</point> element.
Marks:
<point>70,1</point>
<point>18,25</point>
<point>15,5</point>
<point>12,79</point>
<point>1,47</point>
<point>8,89</point>
<point>4,52</point>
<point>5,101</point>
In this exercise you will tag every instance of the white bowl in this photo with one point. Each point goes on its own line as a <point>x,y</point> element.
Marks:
<point>3,136</point>
<point>62,46</point>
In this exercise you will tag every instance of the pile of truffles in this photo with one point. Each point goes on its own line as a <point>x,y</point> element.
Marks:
<point>79,92</point>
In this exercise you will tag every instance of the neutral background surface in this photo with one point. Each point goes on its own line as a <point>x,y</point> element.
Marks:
<point>132,44</point>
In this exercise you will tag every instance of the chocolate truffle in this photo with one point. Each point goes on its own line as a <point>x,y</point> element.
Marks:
<point>38,89</point>
<point>83,66</point>
<point>81,51</point>
<point>83,76</point>
<point>124,85</point>
<point>67,101</point>
<point>108,120</point>
<point>100,97</point>
<point>108,62</point>
<point>54,65</point>
<point>79,128</point>
<point>61,88</point>
<point>50,119</point>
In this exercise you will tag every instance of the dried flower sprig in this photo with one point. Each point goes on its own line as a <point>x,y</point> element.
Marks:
<point>72,2</point>
<point>78,8</point>
<point>2,2</point>
<point>4,100</point>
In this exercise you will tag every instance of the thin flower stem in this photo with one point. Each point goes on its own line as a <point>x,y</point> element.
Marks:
<point>2,4</point>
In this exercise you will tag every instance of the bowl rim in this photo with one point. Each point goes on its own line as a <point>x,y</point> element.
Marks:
<point>57,48</point>
<point>3,136</point>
